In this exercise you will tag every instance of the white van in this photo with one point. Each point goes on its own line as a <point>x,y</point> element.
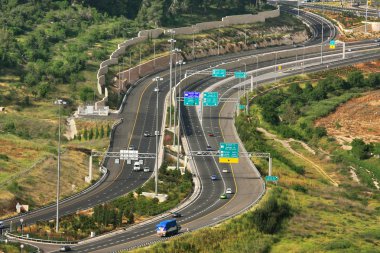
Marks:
<point>136,166</point>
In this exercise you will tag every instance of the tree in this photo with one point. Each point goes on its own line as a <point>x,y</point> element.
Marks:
<point>102,132</point>
<point>85,134</point>
<point>356,79</point>
<point>86,94</point>
<point>96,132</point>
<point>79,137</point>
<point>294,89</point>
<point>91,134</point>
<point>43,89</point>
<point>359,149</point>
<point>108,130</point>
<point>373,80</point>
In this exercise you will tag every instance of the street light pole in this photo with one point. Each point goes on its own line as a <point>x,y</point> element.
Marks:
<point>156,79</point>
<point>58,102</point>
<point>172,41</point>
<point>366,17</point>
<point>323,11</point>
<point>179,112</point>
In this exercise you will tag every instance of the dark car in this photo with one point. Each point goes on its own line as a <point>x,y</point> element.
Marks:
<point>65,249</point>
<point>213,177</point>
<point>176,215</point>
<point>209,148</point>
<point>211,134</point>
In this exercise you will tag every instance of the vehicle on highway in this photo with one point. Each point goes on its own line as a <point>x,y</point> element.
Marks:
<point>213,177</point>
<point>223,196</point>
<point>176,215</point>
<point>2,225</point>
<point>225,171</point>
<point>146,134</point>
<point>132,147</point>
<point>209,148</point>
<point>136,166</point>
<point>211,134</point>
<point>229,191</point>
<point>167,228</point>
<point>156,89</point>
<point>146,169</point>
<point>65,248</point>
<point>377,40</point>
<point>199,152</point>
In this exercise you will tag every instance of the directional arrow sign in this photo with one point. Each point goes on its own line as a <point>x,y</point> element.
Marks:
<point>219,73</point>
<point>229,152</point>
<point>271,178</point>
<point>239,74</point>
<point>210,98</point>
<point>191,98</point>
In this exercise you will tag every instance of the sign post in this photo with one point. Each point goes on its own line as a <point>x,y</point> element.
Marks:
<point>229,152</point>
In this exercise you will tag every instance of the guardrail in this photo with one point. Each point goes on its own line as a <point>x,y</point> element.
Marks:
<point>24,238</point>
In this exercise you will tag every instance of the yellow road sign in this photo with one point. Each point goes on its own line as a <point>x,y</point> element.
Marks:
<point>332,46</point>
<point>228,160</point>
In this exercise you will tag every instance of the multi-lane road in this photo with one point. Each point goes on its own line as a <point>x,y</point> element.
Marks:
<point>139,115</point>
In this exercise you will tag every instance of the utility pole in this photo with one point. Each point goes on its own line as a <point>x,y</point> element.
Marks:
<point>58,102</point>
<point>156,79</point>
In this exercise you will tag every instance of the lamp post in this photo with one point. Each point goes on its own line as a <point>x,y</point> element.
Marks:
<point>172,41</point>
<point>180,63</point>
<point>21,247</point>
<point>58,102</point>
<point>366,16</point>
<point>22,227</point>
<point>323,11</point>
<point>156,79</point>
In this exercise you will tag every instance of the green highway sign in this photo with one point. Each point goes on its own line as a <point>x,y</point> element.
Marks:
<point>229,152</point>
<point>191,98</point>
<point>241,107</point>
<point>239,74</point>
<point>210,99</point>
<point>271,178</point>
<point>219,73</point>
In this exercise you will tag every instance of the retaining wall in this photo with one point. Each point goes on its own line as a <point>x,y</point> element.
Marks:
<point>160,63</point>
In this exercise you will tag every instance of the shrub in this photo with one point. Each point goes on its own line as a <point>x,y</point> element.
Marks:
<point>269,217</point>
<point>299,188</point>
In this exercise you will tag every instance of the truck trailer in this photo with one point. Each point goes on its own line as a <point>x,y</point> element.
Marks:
<point>167,228</point>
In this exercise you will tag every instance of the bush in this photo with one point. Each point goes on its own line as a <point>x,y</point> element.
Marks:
<point>269,217</point>
<point>299,188</point>
<point>359,149</point>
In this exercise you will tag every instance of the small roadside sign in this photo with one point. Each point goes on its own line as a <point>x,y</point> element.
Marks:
<point>271,178</point>
<point>332,44</point>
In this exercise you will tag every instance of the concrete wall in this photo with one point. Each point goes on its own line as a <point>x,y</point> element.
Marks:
<point>161,63</point>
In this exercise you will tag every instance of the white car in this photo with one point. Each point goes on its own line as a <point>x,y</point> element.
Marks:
<point>146,169</point>
<point>225,171</point>
<point>156,89</point>
<point>229,191</point>
<point>136,166</point>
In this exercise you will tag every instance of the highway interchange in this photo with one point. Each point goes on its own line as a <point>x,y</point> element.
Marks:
<point>139,114</point>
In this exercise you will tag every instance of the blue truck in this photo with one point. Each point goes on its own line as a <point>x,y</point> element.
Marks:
<point>167,228</point>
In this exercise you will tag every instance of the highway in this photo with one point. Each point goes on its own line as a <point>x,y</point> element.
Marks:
<point>120,177</point>
<point>139,117</point>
